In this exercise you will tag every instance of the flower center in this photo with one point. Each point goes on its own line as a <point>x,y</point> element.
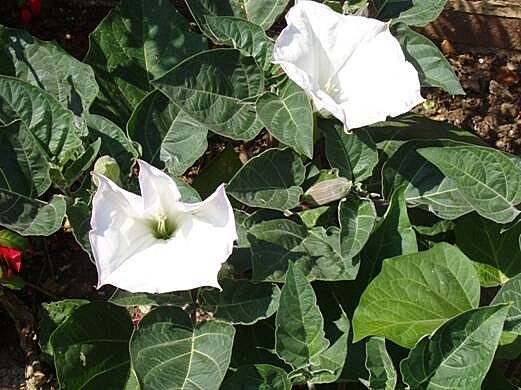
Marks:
<point>163,227</point>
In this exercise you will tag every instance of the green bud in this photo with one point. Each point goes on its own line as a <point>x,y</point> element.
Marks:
<point>108,167</point>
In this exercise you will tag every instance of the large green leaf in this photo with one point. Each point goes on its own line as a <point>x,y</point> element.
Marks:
<point>357,218</point>
<point>217,88</point>
<point>299,336</point>
<point>45,119</point>
<point>258,376</point>
<point>81,164</point>
<point>316,252</point>
<point>137,42</point>
<point>263,13</point>
<point>240,34</point>
<point>289,117</point>
<point>168,136</point>
<point>47,66</point>
<point>25,175</point>
<point>52,315</point>
<point>382,374</point>
<point>416,293</point>
<point>390,135</point>
<point>353,154</point>
<point>270,180</point>
<point>511,293</point>
<point>425,185</point>
<point>496,254</point>
<point>114,142</point>
<point>91,347</point>
<point>488,179</point>
<point>168,352</point>
<point>242,301</point>
<point>434,70</point>
<point>417,13</point>
<point>458,354</point>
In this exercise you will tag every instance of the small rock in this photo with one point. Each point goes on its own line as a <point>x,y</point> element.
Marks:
<point>497,89</point>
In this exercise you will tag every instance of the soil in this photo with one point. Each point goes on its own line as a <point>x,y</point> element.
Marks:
<point>59,269</point>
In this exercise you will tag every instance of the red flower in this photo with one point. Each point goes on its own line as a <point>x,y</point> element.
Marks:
<point>35,6</point>
<point>13,258</point>
<point>25,15</point>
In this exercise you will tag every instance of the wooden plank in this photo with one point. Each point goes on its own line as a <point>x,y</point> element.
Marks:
<point>476,30</point>
<point>505,8</point>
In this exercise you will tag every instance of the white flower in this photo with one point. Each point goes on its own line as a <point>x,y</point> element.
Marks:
<point>154,242</point>
<point>351,66</point>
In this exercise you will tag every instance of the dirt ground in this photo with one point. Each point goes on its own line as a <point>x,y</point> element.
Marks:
<point>491,109</point>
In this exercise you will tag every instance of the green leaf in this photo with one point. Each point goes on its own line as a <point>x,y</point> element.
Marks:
<point>393,236</point>
<point>137,42</point>
<point>496,255</point>
<point>353,154</point>
<point>299,336</point>
<point>47,66</point>
<point>114,142</point>
<point>242,301</point>
<point>25,175</point>
<point>78,215</point>
<point>316,252</point>
<point>357,218</point>
<point>52,316</point>
<point>289,117</point>
<point>417,13</point>
<point>425,186</point>
<point>91,347</point>
<point>81,164</point>
<point>488,179</point>
<point>168,352</point>
<point>390,135</point>
<point>31,217</point>
<point>458,354</point>
<point>188,193</point>
<point>13,240</point>
<point>416,293</point>
<point>240,34</point>
<point>125,298</point>
<point>215,88</point>
<point>270,180</point>
<point>263,13</point>
<point>511,293</point>
<point>382,374</point>
<point>433,69</point>
<point>48,123</point>
<point>168,136</point>
<point>258,376</point>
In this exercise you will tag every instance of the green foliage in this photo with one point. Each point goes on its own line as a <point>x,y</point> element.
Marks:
<point>431,287</point>
<point>396,225</point>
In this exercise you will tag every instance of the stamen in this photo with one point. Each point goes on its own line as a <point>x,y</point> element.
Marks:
<point>163,228</point>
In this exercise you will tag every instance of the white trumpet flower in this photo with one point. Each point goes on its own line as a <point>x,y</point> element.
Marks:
<point>154,242</point>
<point>350,66</point>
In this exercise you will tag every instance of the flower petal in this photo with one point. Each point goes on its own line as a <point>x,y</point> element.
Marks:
<point>158,190</point>
<point>191,258</point>
<point>390,88</point>
<point>118,228</point>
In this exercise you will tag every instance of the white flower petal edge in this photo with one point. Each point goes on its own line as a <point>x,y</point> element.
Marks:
<point>351,66</point>
<point>156,243</point>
